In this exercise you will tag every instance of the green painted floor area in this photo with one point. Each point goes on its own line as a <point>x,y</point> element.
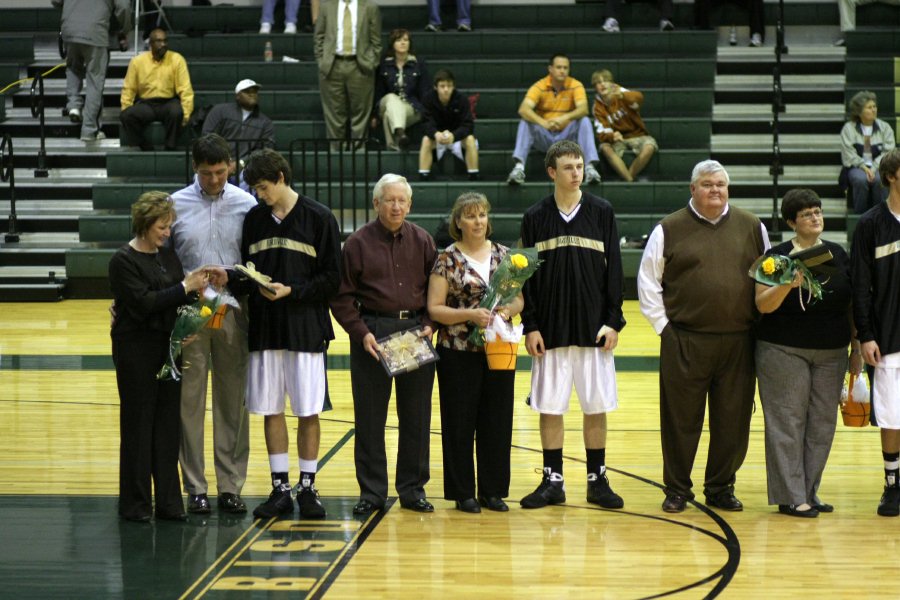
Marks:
<point>94,362</point>
<point>77,547</point>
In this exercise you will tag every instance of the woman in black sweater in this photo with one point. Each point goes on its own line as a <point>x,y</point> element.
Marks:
<point>148,285</point>
<point>801,359</point>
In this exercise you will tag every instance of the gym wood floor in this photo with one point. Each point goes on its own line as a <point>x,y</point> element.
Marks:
<point>60,536</point>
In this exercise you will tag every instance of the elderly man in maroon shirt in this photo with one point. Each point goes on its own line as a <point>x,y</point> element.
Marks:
<point>384,280</point>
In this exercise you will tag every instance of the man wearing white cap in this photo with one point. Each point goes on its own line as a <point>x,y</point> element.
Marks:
<point>241,123</point>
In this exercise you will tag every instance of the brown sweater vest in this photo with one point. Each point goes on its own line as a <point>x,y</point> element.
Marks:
<point>705,283</point>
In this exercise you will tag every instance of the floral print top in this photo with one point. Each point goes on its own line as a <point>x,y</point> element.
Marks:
<point>466,289</point>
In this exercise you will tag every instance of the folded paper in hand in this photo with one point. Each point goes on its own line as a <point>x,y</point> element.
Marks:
<point>250,272</point>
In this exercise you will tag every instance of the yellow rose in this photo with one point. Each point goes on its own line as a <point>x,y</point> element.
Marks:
<point>518,261</point>
<point>205,311</point>
<point>768,266</point>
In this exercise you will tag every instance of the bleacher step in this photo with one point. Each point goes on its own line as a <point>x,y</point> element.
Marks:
<point>761,142</point>
<point>738,83</point>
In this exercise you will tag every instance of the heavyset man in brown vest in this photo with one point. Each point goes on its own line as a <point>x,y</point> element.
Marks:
<point>695,291</point>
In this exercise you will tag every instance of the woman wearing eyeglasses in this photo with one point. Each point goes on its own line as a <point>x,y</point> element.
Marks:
<point>801,359</point>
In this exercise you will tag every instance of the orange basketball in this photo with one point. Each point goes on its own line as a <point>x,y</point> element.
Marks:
<point>501,356</point>
<point>215,322</point>
<point>855,414</point>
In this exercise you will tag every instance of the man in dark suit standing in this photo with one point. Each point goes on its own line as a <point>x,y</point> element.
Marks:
<point>347,45</point>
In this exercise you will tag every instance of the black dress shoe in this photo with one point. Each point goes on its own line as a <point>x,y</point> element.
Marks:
<point>725,501</point>
<point>232,503</point>
<point>674,503</point>
<point>495,503</point>
<point>792,510</point>
<point>469,505</point>
<point>167,516</point>
<point>364,507</point>
<point>822,507</point>
<point>198,504</point>
<point>136,518</point>
<point>421,505</point>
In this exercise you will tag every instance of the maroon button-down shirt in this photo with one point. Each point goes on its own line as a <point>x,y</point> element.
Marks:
<point>383,272</point>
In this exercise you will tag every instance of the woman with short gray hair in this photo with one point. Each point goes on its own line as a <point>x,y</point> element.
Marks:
<point>864,140</point>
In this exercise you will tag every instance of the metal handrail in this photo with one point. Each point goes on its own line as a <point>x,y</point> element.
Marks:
<point>37,110</point>
<point>341,161</point>
<point>777,167</point>
<point>7,173</point>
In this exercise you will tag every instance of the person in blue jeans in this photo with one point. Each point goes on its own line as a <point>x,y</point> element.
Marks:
<point>463,15</point>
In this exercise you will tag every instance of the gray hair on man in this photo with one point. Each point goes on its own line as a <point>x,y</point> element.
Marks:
<point>708,167</point>
<point>391,179</point>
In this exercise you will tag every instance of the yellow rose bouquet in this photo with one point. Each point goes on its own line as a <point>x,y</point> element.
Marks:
<point>191,319</point>
<point>775,269</point>
<point>511,274</point>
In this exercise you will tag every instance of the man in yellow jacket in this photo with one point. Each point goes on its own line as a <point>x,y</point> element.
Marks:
<point>157,88</point>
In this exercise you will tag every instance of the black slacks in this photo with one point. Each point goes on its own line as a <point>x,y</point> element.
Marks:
<point>150,426</point>
<point>476,407</point>
<point>136,117</point>
<point>371,394</point>
<point>755,9</point>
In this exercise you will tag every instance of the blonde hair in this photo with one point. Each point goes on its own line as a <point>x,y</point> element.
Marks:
<point>148,208</point>
<point>467,202</point>
<point>601,75</point>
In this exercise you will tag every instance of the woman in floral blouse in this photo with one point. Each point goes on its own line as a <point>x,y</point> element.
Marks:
<point>475,402</point>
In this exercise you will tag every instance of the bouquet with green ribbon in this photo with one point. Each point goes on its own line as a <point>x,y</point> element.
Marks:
<point>506,283</point>
<point>191,319</point>
<point>775,269</point>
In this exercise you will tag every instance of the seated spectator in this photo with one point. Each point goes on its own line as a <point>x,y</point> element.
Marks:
<point>401,82</point>
<point>463,15</point>
<point>157,88</point>
<point>448,126</point>
<point>847,10</point>
<point>619,126</point>
<point>555,108</point>
<point>291,7</point>
<point>864,140</point>
<point>611,22</point>
<point>756,20</point>
<point>241,123</point>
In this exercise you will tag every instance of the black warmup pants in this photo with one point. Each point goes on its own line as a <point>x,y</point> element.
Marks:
<point>150,426</point>
<point>476,408</point>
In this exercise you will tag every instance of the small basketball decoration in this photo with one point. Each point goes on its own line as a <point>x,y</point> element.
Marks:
<point>218,318</point>
<point>854,413</point>
<point>501,356</point>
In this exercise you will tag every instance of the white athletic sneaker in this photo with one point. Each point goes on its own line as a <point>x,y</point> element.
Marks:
<point>265,28</point>
<point>94,138</point>
<point>756,40</point>
<point>290,28</point>
<point>517,175</point>
<point>610,25</point>
<point>666,25</point>
<point>75,115</point>
<point>591,176</point>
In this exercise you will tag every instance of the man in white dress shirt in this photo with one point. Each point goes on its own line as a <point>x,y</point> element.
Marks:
<point>695,291</point>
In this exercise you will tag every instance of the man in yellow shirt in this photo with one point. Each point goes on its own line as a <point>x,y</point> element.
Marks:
<point>555,108</point>
<point>157,88</point>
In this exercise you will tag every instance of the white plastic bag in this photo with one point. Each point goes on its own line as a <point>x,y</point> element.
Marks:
<point>860,391</point>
